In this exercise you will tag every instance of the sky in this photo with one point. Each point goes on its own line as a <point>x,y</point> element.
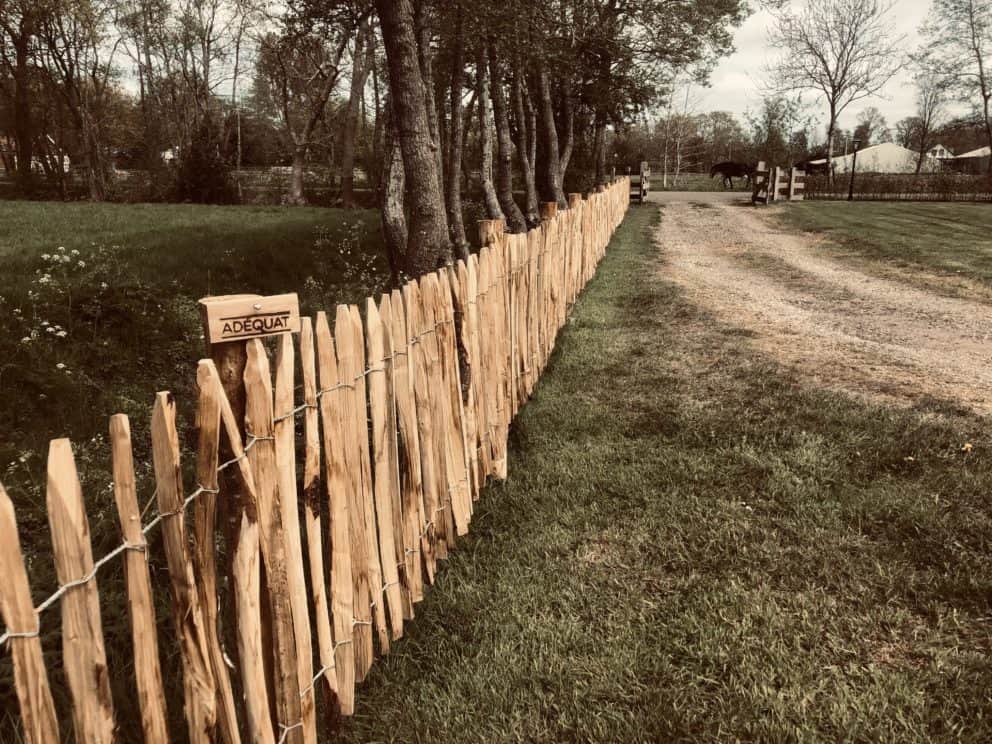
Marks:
<point>736,82</point>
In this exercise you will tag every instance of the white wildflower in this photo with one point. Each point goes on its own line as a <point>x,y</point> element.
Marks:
<point>50,330</point>
<point>26,340</point>
<point>60,366</point>
<point>104,285</point>
<point>75,252</point>
<point>45,323</point>
<point>61,249</point>
<point>45,256</point>
<point>81,264</point>
<point>61,334</point>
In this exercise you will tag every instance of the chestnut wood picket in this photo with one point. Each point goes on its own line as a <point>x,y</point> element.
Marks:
<point>362,452</point>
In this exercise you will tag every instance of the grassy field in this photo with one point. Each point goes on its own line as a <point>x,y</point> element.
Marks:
<point>950,238</point>
<point>692,546</point>
<point>99,303</point>
<point>695,182</point>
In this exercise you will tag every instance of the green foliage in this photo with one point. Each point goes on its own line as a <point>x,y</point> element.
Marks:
<point>204,175</point>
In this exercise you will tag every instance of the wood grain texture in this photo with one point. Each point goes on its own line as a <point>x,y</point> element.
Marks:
<point>332,404</point>
<point>83,654</point>
<point>353,424</point>
<point>391,362</point>
<point>38,722</point>
<point>425,425</point>
<point>141,607</point>
<point>198,676</point>
<point>285,434</point>
<point>204,551</point>
<point>262,456</point>
<point>383,480</point>
<point>408,441</point>
<point>314,497</point>
<point>245,567</point>
<point>368,497</point>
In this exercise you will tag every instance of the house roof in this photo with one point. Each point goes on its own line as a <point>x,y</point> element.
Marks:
<point>884,156</point>
<point>981,152</point>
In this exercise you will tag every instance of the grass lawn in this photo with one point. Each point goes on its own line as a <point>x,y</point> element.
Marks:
<point>99,305</point>
<point>950,238</point>
<point>695,182</point>
<point>693,546</point>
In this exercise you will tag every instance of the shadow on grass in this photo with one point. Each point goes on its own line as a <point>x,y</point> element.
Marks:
<point>693,546</point>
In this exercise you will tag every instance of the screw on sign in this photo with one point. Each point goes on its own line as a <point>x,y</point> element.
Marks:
<point>242,317</point>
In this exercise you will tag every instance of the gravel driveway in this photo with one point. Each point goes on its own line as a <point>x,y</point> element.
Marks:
<point>839,327</point>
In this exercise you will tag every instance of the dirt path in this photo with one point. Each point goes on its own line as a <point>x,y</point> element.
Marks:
<point>838,327</point>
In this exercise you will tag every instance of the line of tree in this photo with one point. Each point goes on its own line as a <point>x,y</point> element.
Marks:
<point>845,51</point>
<point>510,96</point>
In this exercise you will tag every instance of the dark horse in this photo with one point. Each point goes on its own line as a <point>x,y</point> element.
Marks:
<point>730,170</point>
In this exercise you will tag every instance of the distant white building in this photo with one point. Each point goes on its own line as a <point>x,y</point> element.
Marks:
<point>981,152</point>
<point>940,152</point>
<point>888,157</point>
<point>973,161</point>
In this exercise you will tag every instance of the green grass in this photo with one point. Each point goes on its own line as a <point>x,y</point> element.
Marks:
<point>695,182</point>
<point>129,315</point>
<point>694,546</point>
<point>950,238</point>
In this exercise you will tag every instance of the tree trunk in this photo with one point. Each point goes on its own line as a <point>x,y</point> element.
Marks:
<point>394,228</point>
<point>359,74</point>
<point>493,210</point>
<point>515,222</point>
<point>295,195</point>
<point>988,128</point>
<point>924,136</point>
<point>525,148</point>
<point>376,164</point>
<point>599,145</point>
<point>551,173</point>
<point>423,39</point>
<point>453,165</point>
<point>23,127</point>
<point>427,243</point>
<point>96,175</point>
<point>831,133</point>
<point>568,114</point>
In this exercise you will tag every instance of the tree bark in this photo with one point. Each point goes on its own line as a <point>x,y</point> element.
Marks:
<point>831,133</point>
<point>427,243</point>
<point>526,145</point>
<point>295,195</point>
<point>361,67</point>
<point>493,210</point>
<point>423,38</point>
<point>550,184</point>
<point>568,114</point>
<point>599,145</point>
<point>23,126</point>
<point>453,164</point>
<point>394,227</point>
<point>515,222</point>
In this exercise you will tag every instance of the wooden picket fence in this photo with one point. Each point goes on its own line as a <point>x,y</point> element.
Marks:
<point>777,184</point>
<point>404,415</point>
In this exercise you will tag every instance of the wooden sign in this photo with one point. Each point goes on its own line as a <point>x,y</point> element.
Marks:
<point>239,317</point>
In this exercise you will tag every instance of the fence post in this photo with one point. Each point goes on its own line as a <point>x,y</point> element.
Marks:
<point>30,676</point>
<point>147,671</point>
<point>83,654</point>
